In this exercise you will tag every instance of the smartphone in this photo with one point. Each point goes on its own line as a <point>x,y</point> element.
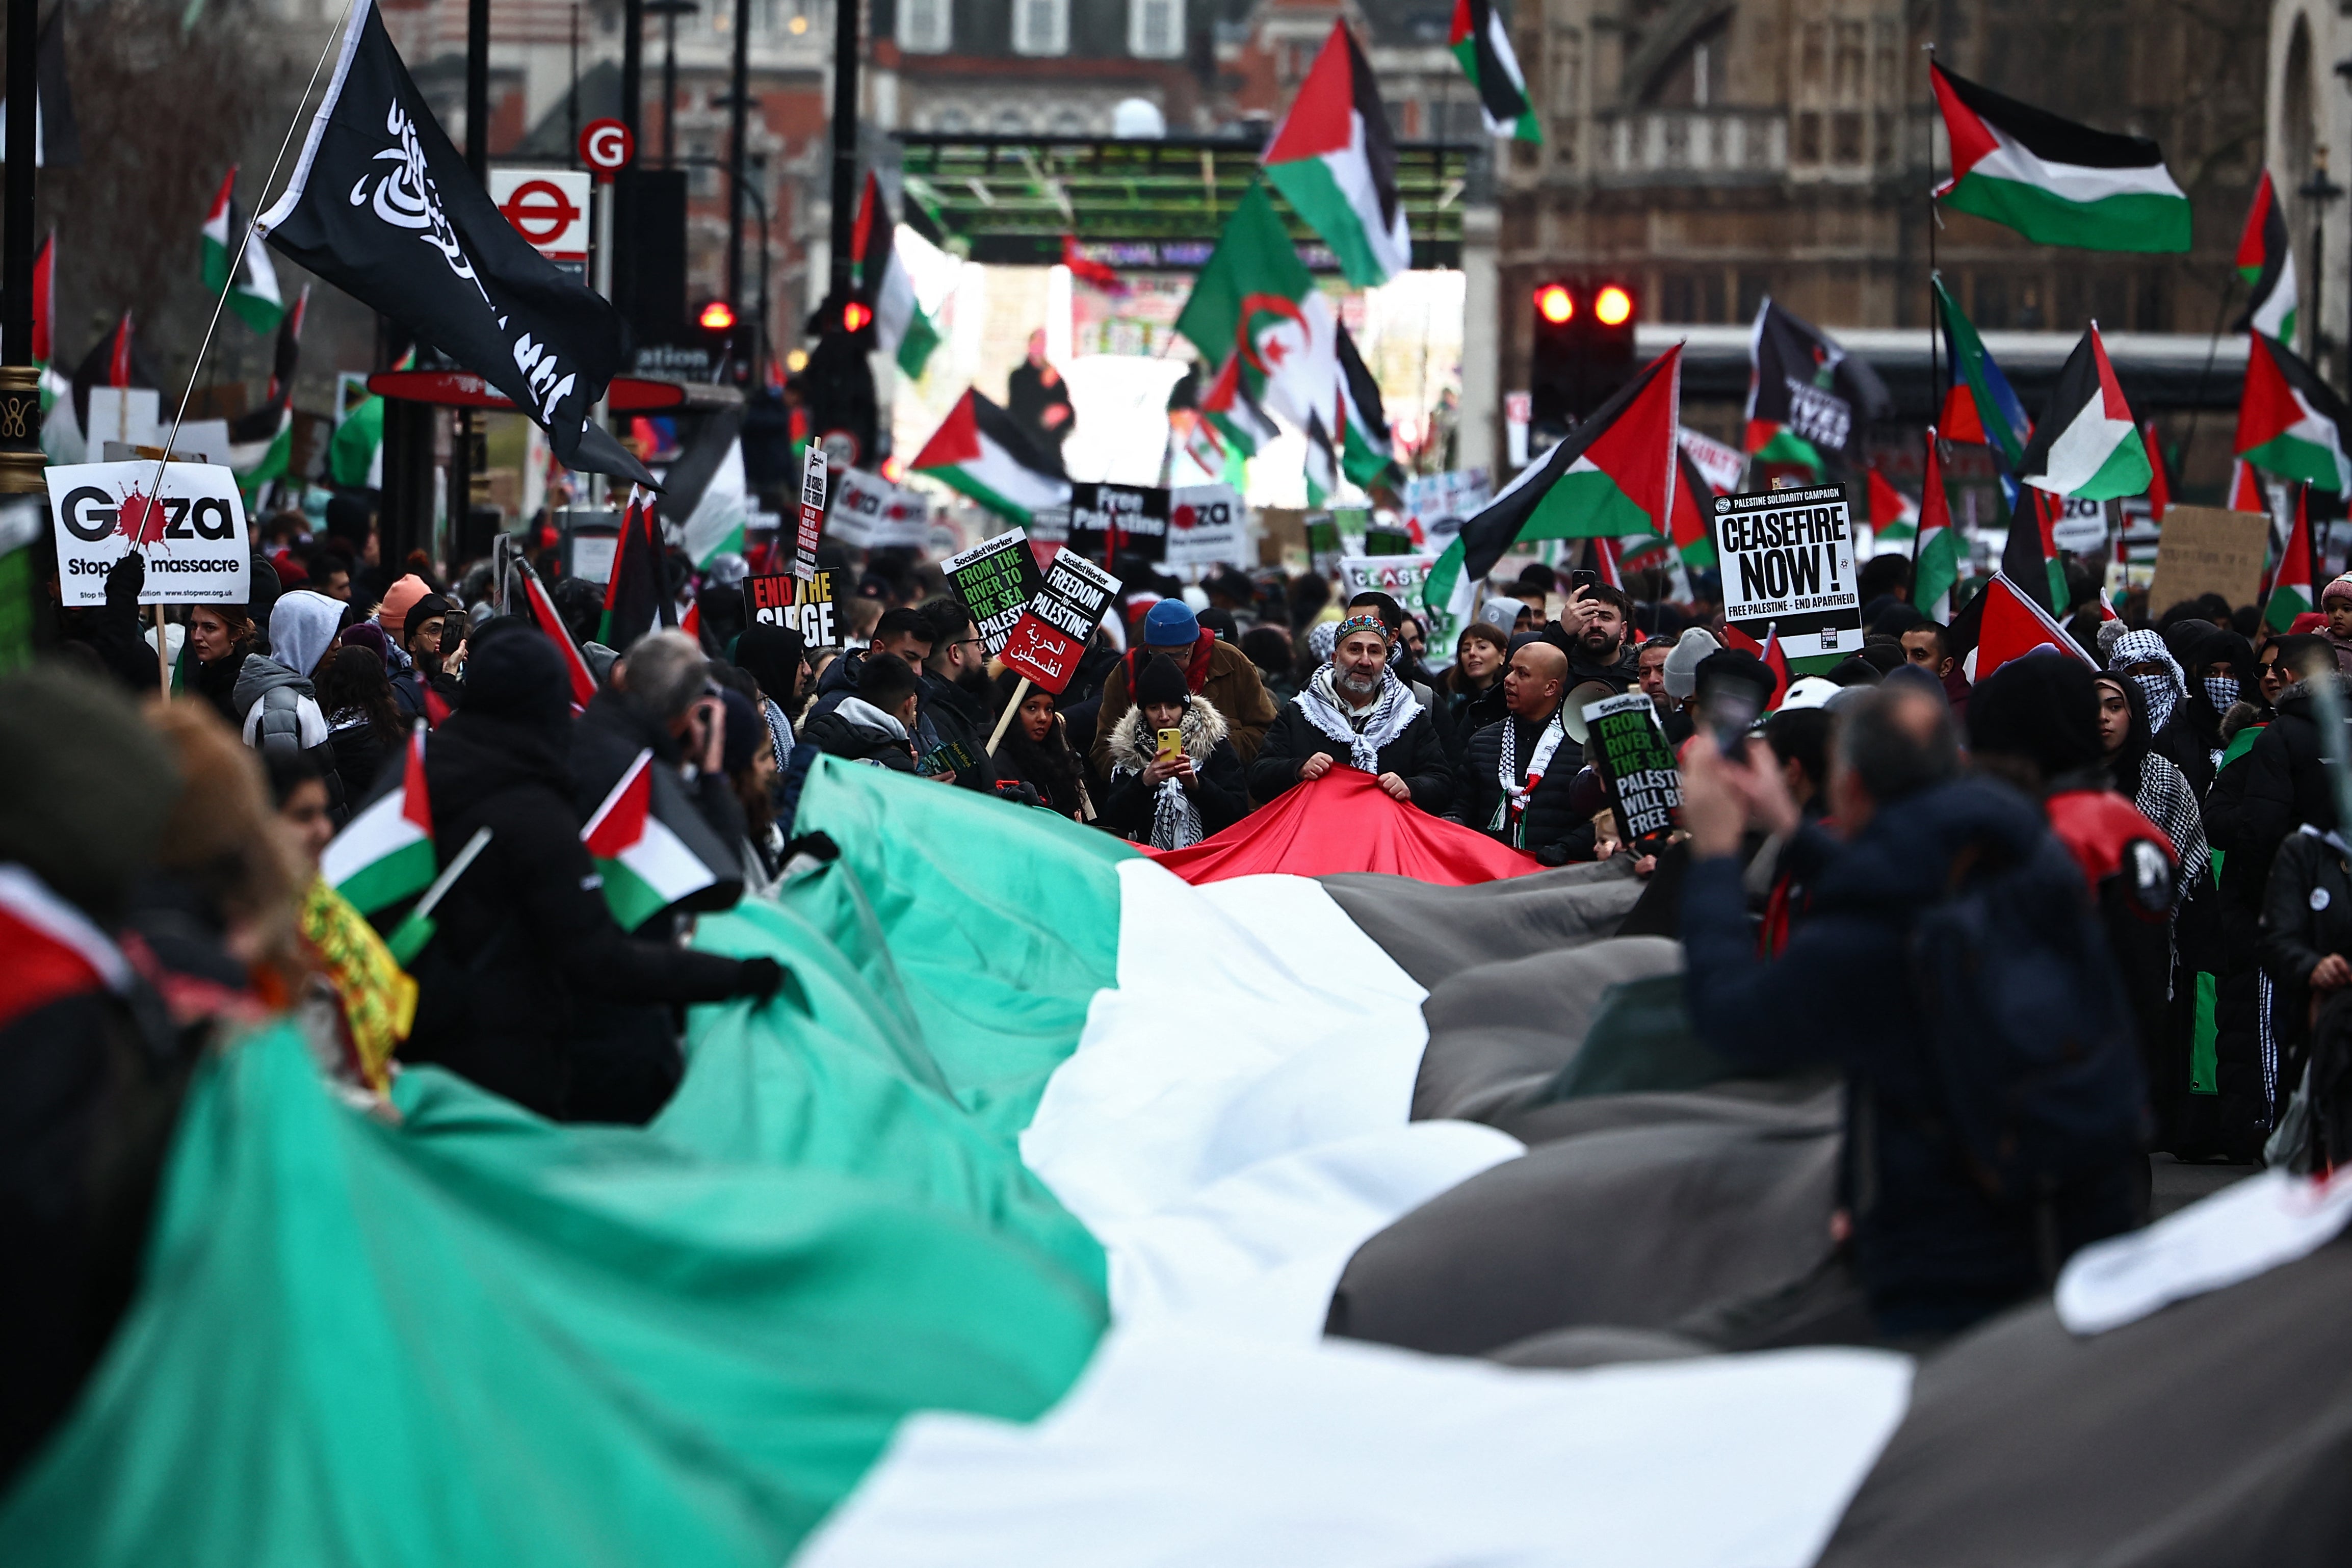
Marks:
<point>1583,577</point>
<point>1171,746</point>
<point>1731,707</point>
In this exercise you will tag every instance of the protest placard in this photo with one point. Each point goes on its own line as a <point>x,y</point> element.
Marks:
<point>2204,550</point>
<point>1645,788</point>
<point>811,525</point>
<point>1400,578</point>
<point>807,606</point>
<point>1435,504</point>
<point>1050,636</point>
<point>193,534</point>
<point>1121,521</point>
<point>2081,526</point>
<point>995,579</point>
<point>869,512</point>
<point>1207,526</point>
<point>1787,562</point>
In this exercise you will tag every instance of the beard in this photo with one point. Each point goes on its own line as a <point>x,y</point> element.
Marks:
<point>973,679</point>
<point>1599,643</point>
<point>1357,685</point>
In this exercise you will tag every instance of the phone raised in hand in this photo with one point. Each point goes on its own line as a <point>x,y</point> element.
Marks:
<point>1583,577</point>
<point>1171,746</point>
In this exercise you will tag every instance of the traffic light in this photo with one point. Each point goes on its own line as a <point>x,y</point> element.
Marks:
<point>1581,354</point>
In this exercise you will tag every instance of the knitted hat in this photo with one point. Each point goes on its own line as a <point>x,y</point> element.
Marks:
<point>393,613</point>
<point>513,672</point>
<point>2339,588</point>
<point>1682,665</point>
<point>1170,624</point>
<point>2040,706</point>
<point>1160,680</point>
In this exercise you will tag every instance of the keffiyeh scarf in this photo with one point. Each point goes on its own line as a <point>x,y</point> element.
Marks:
<point>2165,692</point>
<point>1511,810</point>
<point>1367,735</point>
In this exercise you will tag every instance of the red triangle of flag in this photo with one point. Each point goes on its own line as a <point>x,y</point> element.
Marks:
<point>2014,625</point>
<point>620,822</point>
<point>2266,409</point>
<point>1318,118</point>
<point>957,440</point>
<point>415,806</point>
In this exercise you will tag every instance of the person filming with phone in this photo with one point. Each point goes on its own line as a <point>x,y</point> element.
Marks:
<point>1592,630</point>
<point>1175,777</point>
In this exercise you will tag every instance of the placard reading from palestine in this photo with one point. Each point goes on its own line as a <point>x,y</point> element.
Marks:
<point>1049,638</point>
<point>1121,519</point>
<point>1207,526</point>
<point>812,512</point>
<point>193,536</point>
<point>1645,787</point>
<point>1788,561</point>
<point>807,606</point>
<point>869,512</point>
<point>2205,550</point>
<point>995,579</point>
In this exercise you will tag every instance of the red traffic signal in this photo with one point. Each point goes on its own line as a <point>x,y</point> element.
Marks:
<point>1613,306</point>
<point>1555,304</point>
<point>717,316</point>
<point>855,316</point>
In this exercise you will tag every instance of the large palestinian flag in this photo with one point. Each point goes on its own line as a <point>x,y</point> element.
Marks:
<point>2266,262</point>
<point>979,450</point>
<point>902,328</point>
<point>1481,40</point>
<point>2290,422</point>
<point>1332,157</point>
<point>2053,181</point>
<point>1613,476</point>
<point>2087,443</point>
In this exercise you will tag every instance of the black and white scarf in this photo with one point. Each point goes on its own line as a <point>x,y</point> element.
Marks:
<point>1367,737</point>
<point>1511,810</point>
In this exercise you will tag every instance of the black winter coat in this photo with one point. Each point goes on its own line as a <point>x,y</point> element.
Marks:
<point>2295,934</point>
<point>849,736</point>
<point>1416,756</point>
<point>1550,829</point>
<point>525,934</point>
<point>1462,714</point>
<point>2277,786</point>
<point>945,714</point>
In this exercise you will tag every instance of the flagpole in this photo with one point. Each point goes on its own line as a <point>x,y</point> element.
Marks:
<point>1935,334</point>
<point>20,386</point>
<point>2213,347</point>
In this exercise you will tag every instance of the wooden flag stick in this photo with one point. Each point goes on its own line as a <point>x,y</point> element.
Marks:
<point>1004,719</point>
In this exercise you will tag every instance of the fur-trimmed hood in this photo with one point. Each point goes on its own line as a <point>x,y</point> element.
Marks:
<point>1134,742</point>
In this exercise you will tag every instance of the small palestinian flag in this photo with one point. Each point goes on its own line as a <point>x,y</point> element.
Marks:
<point>2053,181</point>
<point>1893,516</point>
<point>253,290</point>
<point>1333,158</point>
<point>1982,410</point>
<point>261,443</point>
<point>635,599</point>
<point>1481,40</point>
<point>1807,398</point>
<point>2087,443</point>
<point>1613,475</point>
<point>2266,262</point>
<point>551,627</point>
<point>2290,422</point>
<point>902,328</point>
<point>2030,556</point>
<point>2246,489</point>
<point>1935,547</point>
<point>1368,453</point>
<point>646,867</point>
<point>1244,427</point>
<point>2009,624</point>
<point>2291,595</point>
<point>978,449</point>
<point>384,855</point>
<point>1768,650</point>
<point>2159,484</point>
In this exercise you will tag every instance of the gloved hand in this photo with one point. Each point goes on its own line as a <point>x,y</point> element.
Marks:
<point>761,978</point>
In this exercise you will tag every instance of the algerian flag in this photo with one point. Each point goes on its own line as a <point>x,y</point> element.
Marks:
<point>1332,157</point>
<point>979,450</point>
<point>1981,410</point>
<point>899,324</point>
<point>646,867</point>
<point>1613,476</point>
<point>1482,41</point>
<point>253,292</point>
<point>2291,595</point>
<point>2053,181</point>
<point>1935,546</point>
<point>2087,443</point>
<point>385,854</point>
<point>2290,422</point>
<point>2266,261</point>
<point>1255,302</point>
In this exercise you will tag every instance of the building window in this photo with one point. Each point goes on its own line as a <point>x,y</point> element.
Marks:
<point>1155,29</point>
<point>1753,288</point>
<point>925,27</point>
<point>1041,27</point>
<point>1845,138</point>
<point>1809,139</point>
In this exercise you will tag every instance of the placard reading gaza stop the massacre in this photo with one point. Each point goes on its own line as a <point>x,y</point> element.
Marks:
<point>191,528</point>
<point>1788,562</point>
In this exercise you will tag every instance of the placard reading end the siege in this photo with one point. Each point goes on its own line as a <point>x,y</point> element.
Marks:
<point>1788,562</point>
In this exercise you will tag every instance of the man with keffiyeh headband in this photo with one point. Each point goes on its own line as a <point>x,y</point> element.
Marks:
<point>1355,712</point>
<point>1519,774</point>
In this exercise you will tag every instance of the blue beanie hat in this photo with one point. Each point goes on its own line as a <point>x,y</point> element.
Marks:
<point>1170,624</point>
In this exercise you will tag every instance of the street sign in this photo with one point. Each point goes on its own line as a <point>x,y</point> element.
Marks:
<point>549,207</point>
<point>606,147</point>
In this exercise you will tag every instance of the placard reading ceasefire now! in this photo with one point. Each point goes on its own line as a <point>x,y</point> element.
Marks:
<point>1788,562</point>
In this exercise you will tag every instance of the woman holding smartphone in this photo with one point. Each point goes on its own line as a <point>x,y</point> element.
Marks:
<point>1174,777</point>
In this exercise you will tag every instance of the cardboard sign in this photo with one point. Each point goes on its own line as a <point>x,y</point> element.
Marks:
<point>1050,636</point>
<point>2080,527</point>
<point>811,513</point>
<point>869,512</point>
<point>194,535</point>
<point>995,579</point>
<point>2204,550</point>
<point>807,606</point>
<point>1207,526</point>
<point>1436,505</point>
<point>1645,789</point>
<point>1788,561</point>
<point>1130,521</point>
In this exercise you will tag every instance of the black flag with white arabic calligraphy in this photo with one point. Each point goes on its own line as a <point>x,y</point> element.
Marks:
<point>385,208</point>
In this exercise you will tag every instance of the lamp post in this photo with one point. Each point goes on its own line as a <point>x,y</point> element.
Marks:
<point>20,386</point>
<point>2319,191</point>
<point>669,11</point>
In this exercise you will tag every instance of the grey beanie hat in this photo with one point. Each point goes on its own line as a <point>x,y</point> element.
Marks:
<point>1682,665</point>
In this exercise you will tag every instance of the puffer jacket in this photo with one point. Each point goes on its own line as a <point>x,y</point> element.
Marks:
<point>279,712</point>
<point>1549,828</point>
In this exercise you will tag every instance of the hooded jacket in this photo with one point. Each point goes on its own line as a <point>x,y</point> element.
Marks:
<point>856,730</point>
<point>1220,795</point>
<point>946,714</point>
<point>1217,670</point>
<point>1934,1250</point>
<point>280,714</point>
